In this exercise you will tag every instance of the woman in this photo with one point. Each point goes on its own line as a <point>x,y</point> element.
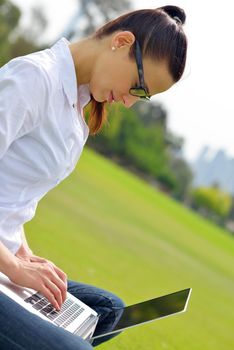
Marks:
<point>42,134</point>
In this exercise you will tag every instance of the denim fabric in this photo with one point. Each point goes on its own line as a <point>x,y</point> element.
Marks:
<point>22,330</point>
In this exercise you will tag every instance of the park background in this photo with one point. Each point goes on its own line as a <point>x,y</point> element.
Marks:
<point>130,215</point>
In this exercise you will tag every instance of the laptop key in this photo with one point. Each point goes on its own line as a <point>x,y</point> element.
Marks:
<point>72,318</point>
<point>53,314</point>
<point>46,310</point>
<point>64,316</point>
<point>31,300</point>
<point>39,305</point>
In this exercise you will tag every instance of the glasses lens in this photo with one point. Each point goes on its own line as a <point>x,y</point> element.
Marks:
<point>139,92</point>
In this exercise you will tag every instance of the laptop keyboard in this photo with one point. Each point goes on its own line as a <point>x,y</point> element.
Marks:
<point>63,318</point>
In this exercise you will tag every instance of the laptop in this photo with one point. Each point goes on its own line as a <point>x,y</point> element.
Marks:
<point>74,316</point>
<point>78,318</point>
<point>147,311</point>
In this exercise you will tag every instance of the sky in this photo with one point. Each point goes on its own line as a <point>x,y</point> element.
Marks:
<point>200,107</point>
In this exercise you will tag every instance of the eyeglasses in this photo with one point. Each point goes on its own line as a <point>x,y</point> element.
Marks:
<point>141,90</point>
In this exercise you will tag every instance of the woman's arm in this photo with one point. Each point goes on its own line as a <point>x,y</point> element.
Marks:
<point>26,246</point>
<point>8,261</point>
<point>24,251</point>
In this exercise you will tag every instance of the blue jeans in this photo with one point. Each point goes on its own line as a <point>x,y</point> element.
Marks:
<point>23,330</point>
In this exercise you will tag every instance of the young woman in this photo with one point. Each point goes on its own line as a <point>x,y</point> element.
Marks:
<point>42,134</point>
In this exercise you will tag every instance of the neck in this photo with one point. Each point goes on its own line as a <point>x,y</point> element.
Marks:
<point>84,54</point>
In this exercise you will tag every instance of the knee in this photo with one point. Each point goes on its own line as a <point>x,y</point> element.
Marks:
<point>117,302</point>
<point>108,299</point>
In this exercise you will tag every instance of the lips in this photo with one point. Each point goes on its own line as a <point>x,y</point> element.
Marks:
<point>111,97</point>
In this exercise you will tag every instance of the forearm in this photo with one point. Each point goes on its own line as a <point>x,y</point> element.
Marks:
<point>24,252</point>
<point>8,261</point>
<point>25,243</point>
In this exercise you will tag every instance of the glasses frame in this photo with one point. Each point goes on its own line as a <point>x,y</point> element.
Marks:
<point>141,90</point>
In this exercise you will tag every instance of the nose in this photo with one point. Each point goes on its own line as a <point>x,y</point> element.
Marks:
<point>129,100</point>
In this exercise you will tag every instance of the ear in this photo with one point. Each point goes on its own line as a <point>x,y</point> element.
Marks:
<point>122,39</point>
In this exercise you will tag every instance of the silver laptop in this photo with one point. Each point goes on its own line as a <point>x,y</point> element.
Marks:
<point>78,318</point>
<point>74,316</point>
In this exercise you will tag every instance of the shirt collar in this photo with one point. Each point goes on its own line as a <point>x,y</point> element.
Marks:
<point>83,95</point>
<point>68,74</point>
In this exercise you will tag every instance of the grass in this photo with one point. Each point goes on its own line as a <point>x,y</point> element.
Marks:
<point>106,227</point>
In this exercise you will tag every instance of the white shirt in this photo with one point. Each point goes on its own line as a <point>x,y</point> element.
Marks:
<point>42,133</point>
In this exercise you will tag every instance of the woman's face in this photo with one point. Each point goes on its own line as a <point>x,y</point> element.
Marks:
<point>115,73</point>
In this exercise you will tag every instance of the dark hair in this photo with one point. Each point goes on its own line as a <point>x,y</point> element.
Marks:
<point>160,35</point>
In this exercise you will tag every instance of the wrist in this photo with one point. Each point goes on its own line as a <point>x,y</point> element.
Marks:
<point>24,252</point>
<point>11,266</point>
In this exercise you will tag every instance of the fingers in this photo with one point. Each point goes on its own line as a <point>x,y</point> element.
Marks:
<point>55,293</point>
<point>35,258</point>
<point>62,287</point>
<point>63,278</point>
<point>56,276</point>
<point>61,281</point>
<point>56,283</point>
<point>50,296</point>
<point>56,288</point>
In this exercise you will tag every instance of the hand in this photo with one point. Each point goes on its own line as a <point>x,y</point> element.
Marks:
<point>41,275</point>
<point>24,252</point>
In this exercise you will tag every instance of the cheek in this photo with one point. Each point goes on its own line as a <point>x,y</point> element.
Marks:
<point>125,74</point>
<point>99,86</point>
<point>122,81</point>
<point>111,74</point>
<point>101,79</point>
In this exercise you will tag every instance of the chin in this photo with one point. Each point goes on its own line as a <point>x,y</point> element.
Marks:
<point>98,99</point>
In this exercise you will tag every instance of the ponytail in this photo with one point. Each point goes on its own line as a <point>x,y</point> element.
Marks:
<point>97,116</point>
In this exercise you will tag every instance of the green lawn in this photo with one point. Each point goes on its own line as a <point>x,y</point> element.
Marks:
<point>106,227</point>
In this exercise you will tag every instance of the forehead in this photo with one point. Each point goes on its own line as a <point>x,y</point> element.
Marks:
<point>156,75</point>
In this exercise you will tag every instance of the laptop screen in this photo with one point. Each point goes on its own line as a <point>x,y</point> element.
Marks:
<point>149,310</point>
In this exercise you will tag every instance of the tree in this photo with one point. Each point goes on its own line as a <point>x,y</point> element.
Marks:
<point>92,14</point>
<point>151,114</point>
<point>27,39</point>
<point>212,202</point>
<point>14,40</point>
<point>138,145</point>
<point>183,174</point>
<point>9,20</point>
